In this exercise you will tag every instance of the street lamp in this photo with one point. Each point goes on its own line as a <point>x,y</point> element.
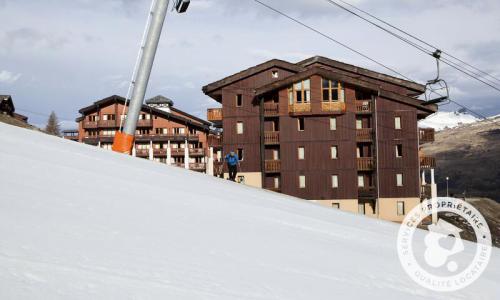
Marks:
<point>447,193</point>
<point>124,138</point>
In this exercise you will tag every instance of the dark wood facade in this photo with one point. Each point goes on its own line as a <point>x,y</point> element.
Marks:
<point>366,141</point>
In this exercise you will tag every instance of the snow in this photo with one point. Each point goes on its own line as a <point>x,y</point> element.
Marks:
<point>78,222</point>
<point>443,119</point>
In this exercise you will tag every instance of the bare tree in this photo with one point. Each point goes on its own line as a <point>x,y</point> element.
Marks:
<point>53,125</point>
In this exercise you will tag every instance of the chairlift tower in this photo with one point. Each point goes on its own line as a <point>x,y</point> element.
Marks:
<point>124,138</point>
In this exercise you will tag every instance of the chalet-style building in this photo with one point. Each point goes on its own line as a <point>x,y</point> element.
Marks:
<point>7,108</point>
<point>164,133</point>
<point>327,131</point>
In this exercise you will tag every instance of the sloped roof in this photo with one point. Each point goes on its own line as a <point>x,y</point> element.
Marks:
<point>329,74</point>
<point>251,71</point>
<point>186,120</point>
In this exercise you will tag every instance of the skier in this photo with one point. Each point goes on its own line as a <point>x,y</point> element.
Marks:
<point>233,162</point>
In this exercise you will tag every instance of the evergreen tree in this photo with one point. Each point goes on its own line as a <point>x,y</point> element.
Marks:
<point>53,125</point>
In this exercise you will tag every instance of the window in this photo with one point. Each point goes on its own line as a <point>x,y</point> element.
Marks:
<point>300,92</point>
<point>302,181</point>
<point>399,150</point>
<point>401,208</point>
<point>397,122</point>
<point>275,74</point>
<point>276,182</point>
<point>239,100</point>
<point>276,154</point>
<point>301,153</point>
<point>361,208</point>
<point>361,181</point>
<point>336,205</point>
<point>301,124</point>
<point>161,130</point>
<point>240,154</point>
<point>359,124</point>
<point>333,123</point>
<point>335,181</point>
<point>334,152</point>
<point>239,127</point>
<point>332,91</point>
<point>399,179</point>
<point>179,130</point>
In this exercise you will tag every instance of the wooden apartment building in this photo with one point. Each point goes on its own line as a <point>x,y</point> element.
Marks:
<point>164,133</point>
<point>327,131</point>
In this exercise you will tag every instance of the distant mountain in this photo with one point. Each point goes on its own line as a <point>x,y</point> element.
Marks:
<point>470,156</point>
<point>442,120</point>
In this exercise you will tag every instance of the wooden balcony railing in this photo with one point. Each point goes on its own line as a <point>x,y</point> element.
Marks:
<point>197,166</point>
<point>215,141</point>
<point>141,152</point>
<point>271,109</point>
<point>425,191</point>
<point>177,151</point>
<point>363,106</point>
<point>108,123</point>
<point>299,108</point>
<point>214,114</point>
<point>197,152</point>
<point>160,152</point>
<point>271,137</point>
<point>145,123</point>
<point>366,164</point>
<point>426,135</point>
<point>427,162</point>
<point>273,166</point>
<point>338,107</point>
<point>364,134</point>
<point>89,124</point>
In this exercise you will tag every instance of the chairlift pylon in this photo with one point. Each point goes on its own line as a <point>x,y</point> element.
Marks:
<point>436,90</point>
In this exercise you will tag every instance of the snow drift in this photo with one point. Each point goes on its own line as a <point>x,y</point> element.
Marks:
<point>78,222</point>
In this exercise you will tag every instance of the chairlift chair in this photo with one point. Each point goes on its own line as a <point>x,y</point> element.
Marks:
<point>437,90</point>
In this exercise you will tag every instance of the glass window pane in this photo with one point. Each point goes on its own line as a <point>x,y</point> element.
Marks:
<point>326,95</point>
<point>335,95</point>
<point>325,83</point>
<point>308,96</point>
<point>298,86</point>
<point>298,97</point>
<point>307,84</point>
<point>361,181</point>
<point>333,124</point>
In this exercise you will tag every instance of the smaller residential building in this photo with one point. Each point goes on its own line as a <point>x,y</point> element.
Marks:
<point>164,133</point>
<point>7,108</point>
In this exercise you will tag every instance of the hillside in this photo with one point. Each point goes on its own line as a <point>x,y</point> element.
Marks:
<point>78,222</point>
<point>445,120</point>
<point>470,156</point>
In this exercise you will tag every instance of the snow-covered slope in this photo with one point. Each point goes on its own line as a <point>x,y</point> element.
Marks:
<point>445,119</point>
<point>78,222</point>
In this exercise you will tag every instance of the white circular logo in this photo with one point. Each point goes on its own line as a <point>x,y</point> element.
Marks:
<point>443,262</point>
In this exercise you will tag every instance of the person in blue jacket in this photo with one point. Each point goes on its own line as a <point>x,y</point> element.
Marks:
<point>233,162</point>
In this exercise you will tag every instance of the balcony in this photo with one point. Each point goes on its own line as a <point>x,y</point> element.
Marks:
<point>214,115</point>
<point>215,141</point>
<point>141,152</point>
<point>271,109</point>
<point>91,140</point>
<point>177,152</point>
<point>166,137</point>
<point>89,124</point>
<point>426,135</point>
<point>427,162</point>
<point>197,166</point>
<point>364,107</point>
<point>108,124</point>
<point>366,164</point>
<point>299,108</point>
<point>364,135</point>
<point>271,138</point>
<point>197,152</point>
<point>367,193</point>
<point>272,166</point>
<point>144,123</point>
<point>333,107</point>
<point>160,152</point>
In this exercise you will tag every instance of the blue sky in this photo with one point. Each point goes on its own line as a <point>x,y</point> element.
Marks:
<point>62,55</point>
